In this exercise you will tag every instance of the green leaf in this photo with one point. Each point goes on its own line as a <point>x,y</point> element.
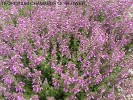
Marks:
<point>118,19</point>
<point>64,60</point>
<point>100,17</point>
<point>6,7</point>
<point>15,21</point>
<point>52,91</point>
<point>81,95</point>
<point>93,88</point>
<point>39,51</point>
<point>22,12</point>
<point>25,59</point>
<point>60,94</point>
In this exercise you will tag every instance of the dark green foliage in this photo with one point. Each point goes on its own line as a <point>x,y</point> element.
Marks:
<point>15,21</point>
<point>129,46</point>
<point>59,57</point>
<point>99,17</point>
<point>93,88</point>
<point>81,95</point>
<point>31,42</point>
<point>65,60</point>
<point>45,30</point>
<point>48,56</point>
<point>47,72</point>
<point>60,95</point>
<point>28,85</point>
<point>39,51</point>
<point>87,33</point>
<point>28,88</point>
<point>51,45</point>
<point>22,13</point>
<point>82,31</point>
<point>74,44</point>
<point>118,19</point>
<point>25,59</point>
<point>78,64</point>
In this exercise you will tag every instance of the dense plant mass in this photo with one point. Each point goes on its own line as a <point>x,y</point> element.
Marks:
<point>65,53</point>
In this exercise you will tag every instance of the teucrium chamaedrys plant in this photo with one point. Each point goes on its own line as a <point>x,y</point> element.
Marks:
<point>72,53</point>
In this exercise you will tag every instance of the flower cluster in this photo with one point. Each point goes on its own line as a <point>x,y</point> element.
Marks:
<point>80,50</point>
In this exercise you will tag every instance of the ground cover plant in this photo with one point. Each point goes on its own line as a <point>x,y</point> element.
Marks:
<point>65,53</point>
